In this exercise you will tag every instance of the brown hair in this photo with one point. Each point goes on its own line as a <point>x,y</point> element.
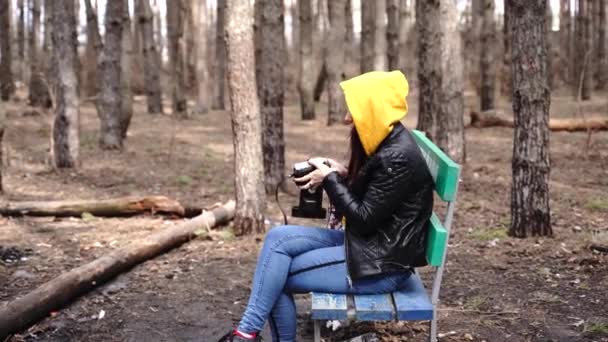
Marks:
<point>357,156</point>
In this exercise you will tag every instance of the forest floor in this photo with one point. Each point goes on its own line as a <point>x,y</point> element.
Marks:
<point>495,288</point>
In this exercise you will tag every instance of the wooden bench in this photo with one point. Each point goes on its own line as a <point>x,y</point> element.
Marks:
<point>413,302</point>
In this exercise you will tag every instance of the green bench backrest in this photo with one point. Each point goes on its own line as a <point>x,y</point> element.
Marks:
<point>445,172</point>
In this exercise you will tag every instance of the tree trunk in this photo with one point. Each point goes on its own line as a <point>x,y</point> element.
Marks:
<point>380,62</point>
<point>245,118</point>
<point>7,86</point>
<point>109,101</point>
<point>270,56</point>
<point>175,33</point>
<point>335,61</point>
<point>602,64</point>
<point>152,63</point>
<point>507,82</point>
<point>114,207</point>
<point>21,39</point>
<point>487,57</point>
<point>429,65</point>
<point>368,37</point>
<point>189,14</point>
<point>54,294</point>
<point>392,34</point>
<point>126,66</point>
<point>565,36</point>
<point>137,74</point>
<point>92,51</point>
<point>294,48</point>
<point>219,70</point>
<point>583,58</point>
<point>307,63</point>
<point>405,34</point>
<point>38,93</point>
<point>450,118</point>
<point>350,60</point>
<point>320,82</point>
<point>202,71</point>
<point>530,214</point>
<point>65,140</point>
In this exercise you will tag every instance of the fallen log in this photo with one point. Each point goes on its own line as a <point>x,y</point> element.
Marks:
<point>491,119</point>
<point>116,207</point>
<point>54,294</point>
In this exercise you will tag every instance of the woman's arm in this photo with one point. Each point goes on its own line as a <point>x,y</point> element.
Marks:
<point>388,181</point>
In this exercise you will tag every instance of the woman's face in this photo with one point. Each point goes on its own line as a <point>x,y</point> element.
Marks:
<point>348,119</point>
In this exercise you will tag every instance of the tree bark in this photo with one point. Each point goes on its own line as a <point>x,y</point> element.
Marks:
<point>487,57</point>
<point>320,82</point>
<point>368,37</point>
<point>306,78</point>
<point>92,50</point>
<point>392,34</point>
<point>189,14</point>
<point>65,141</point>
<point>175,33</point>
<point>1,140</point>
<point>245,118</point>
<point>507,82</point>
<point>21,39</point>
<point>7,86</point>
<point>380,62</point>
<point>152,63</point>
<point>549,40</point>
<point>530,213</point>
<point>429,65</point>
<point>137,73</point>
<point>115,207</point>
<point>583,38</point>
<point>450,118</point>
<point>54,294</point>
<point>349,42</point>
<point>335,61</point>
<point>565,34</point>
<point>219,70</point>
<point>202,71</point>
<point>489,119</point>
<point>602,63</point>
<point>270,57</point>
<point>126,66</point>
<point>406,43</point>
<point>38,93</point>
<point>109,102</point>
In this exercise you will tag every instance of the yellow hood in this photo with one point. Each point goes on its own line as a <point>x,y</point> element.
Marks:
<point>376,100</point>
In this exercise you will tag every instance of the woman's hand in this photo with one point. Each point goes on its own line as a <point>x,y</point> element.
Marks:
<point>315,178</point>
<point>342,170</point>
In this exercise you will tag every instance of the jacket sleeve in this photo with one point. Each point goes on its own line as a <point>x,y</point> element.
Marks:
<point>386,185</point>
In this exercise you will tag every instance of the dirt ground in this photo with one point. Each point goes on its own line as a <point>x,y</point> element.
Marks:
<point>495,289</point>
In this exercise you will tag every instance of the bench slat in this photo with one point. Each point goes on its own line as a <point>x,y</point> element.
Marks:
<point>377,307</point>
<point>435,247</point>
<point>329,306</point>
<point>412,302</point>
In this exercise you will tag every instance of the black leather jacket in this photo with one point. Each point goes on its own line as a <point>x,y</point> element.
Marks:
<point>387,208</point>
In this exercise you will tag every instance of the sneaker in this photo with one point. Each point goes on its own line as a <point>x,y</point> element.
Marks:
<point>232,336</point>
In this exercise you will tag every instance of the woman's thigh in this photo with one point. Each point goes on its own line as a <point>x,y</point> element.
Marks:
<point>324,270</point>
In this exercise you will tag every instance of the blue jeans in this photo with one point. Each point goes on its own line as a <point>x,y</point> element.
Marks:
<point>296,259</point>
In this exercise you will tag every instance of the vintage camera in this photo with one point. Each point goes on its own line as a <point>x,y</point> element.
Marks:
<point>311,200</point>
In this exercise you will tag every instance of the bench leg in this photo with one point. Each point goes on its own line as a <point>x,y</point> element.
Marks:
<point>317,328</point>
<point>433,332</point>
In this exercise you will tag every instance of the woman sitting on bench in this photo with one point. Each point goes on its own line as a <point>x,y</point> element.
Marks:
<point>385,199</point>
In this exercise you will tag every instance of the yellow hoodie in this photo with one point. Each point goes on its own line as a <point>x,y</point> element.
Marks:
<point>376,100</point>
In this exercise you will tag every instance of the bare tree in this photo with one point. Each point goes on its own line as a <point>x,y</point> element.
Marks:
<point>380,61</point>
<point>602,64</point>
<point>335,60</point>
<point>245,118</point>
<point>92,50</point>
<point>549,40</point>
<point>530,214</point>
<point>428,16</point>
<point>583,39</point>
<point>202,72</point>
<point>487,57</point>
<point>190,18</point>
<point>65,139</point>
<point>7,86</point>
<point>306,78</point>
<point>126,65</point>
<point>109,102</point>
<point>368,37</point>
<point>175,33</point>
<point>270,57</point>
<point>406,41</point>
<point>219,70</point>
<point>565,33</point>
<point>506,84</point>
<point>21,39</point>
<point>152,63</point>
<point>38,92</point>
<point>392,33</point>
<point>349,43</point>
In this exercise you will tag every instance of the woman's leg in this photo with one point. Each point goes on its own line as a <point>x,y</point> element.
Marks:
<point>323,270</point>
<point>281,245</point>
